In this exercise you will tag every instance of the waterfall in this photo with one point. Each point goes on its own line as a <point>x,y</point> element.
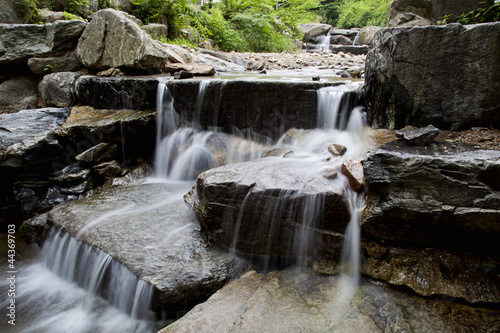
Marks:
<point>96,272</point>
<point>324,42</point>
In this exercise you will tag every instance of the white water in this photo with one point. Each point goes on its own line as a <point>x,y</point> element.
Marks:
<point>64,292</point>
<point>324,43</point>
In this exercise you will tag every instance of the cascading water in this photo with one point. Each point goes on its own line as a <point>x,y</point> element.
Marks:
<point>324,42</point>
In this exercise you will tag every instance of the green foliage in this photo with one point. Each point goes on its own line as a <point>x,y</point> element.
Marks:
<point>29,9</point>
<point>221,31</point>
<point>489,12</point>
<point>329,11</point>
<point>78,7</point>
<point>362,13</point>
<point>176,14</point>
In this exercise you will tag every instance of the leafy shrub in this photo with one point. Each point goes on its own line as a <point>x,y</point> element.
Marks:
<point>362,13</point>
<point>29,9</point>
<point>221,31</point>
<point>489,12</point>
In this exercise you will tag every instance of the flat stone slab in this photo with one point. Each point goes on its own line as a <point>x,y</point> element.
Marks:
<point>299,301</point>
<point>28,137</point>
<point>150,230</point>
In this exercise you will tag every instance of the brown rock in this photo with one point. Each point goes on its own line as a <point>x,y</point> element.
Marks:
<point>108,169</point>
<point>337,150</point>
<point>353,170</point>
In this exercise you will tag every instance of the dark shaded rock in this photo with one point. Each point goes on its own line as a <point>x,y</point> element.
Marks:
<point>409,80</point>
<point>11,12</point>
<point>36,194</point>
<point>52,39</point>
<point>418,136</point>
<point>313,30</point>
<point>353,170</point>
<point>67,63</point>
<point>155,236</point>
<point>183,75</point>
<point>337,150</point>
<point>134,133</point>
<point>70,175</point>
<point>299,301</point>
<point>99,153</point>
<point>113,39</point>
<point>195,69</point>
<point>18,93</point>
<point>353,49</point>
<point>58,89</point>
<point>430,271</point>
<point>108,169</point>
<point>422,200</point>
<point>134,93</point>
<point>340,40</point>
<point>28,137</point>
<point>256,208</point>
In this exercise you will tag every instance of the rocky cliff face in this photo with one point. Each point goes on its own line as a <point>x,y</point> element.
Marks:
<point>431,219</point>
<point>447,76</point>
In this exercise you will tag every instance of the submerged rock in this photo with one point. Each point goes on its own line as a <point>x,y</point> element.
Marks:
<point>257,208</point>
<point>154,234</point>
<point>427,202</point>
<point>299,301</point>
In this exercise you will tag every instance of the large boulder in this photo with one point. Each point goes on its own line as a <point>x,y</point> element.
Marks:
<point>437,210</point>
<point>409,79</point>
<point>58,89</point>
<point>18,93</point>
<point>150,231</point>
<point>365,35</point>
<point>113,39</point>
<point>299,301</point>
<point>19,42</point>
<point>255,207</point>
<point>313,30</point>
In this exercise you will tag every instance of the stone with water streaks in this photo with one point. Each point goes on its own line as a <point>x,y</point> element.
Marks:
<point>313,30</point>
<point>154,234</point>
<point>257,208</point>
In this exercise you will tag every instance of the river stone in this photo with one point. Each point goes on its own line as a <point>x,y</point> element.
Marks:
<point>409,80</point>
<point>52,39</point>
<point>353,49</point>
<point>351,33</point>
<point>426,200</point>
<point>340,40</point>
<point>196,69</point>
<point>257,208</point>
<point>300,301</point>
<point>57,89</point>
<point>67,63</point>
<point>149,230</point>
<point>99,153</point>
<point>180,54</point>
<point>108,169</point>
<point>113,39</point>
<point>28,137</point>
<point>336,149</point>
<point>313,30</point>
<point>18,93</point>
<point>219,64</point>
<point>418,136</point>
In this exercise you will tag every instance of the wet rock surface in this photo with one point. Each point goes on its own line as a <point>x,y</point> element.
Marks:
<point>425,197</point>
<point>155,235</point>
<point>418,136</point>
<point>258,209</point>
<point>299,301</point>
